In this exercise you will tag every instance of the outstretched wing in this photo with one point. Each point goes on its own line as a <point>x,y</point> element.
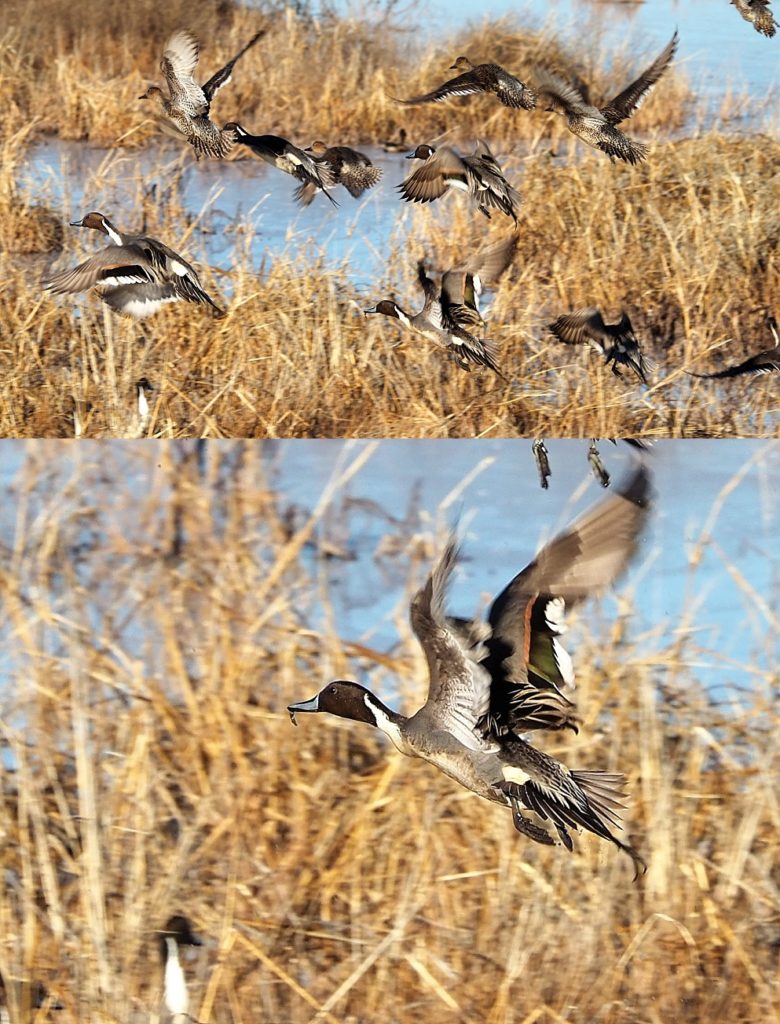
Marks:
<point>463,85</point>
<point>527,664</point>
<point>180,58</point>
<point>223,76</point>
<point>630,99</point>
<point>459,688</point>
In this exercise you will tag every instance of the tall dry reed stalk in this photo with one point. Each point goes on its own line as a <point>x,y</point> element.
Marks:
<point>154,616</point>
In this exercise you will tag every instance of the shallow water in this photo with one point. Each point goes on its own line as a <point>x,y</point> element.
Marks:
<point>718,498</point>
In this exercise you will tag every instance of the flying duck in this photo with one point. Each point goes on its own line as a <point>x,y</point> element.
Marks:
<point>616,342</point>
<point>597,125</point>
<point>763,362</point>
<point>477,78</point>
<point>757,12</point>
<point>450,316</point>
<point>478,175</point>
<point>347,167</point>
<point>288,158</point>
<point>490,683</point>
<point>135,274</point>
<point>188,104</point>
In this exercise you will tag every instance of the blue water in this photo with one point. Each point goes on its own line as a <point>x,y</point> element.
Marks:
<point>412,489</point>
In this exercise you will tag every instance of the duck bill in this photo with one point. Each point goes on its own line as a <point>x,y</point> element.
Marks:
<point>367,311</point>
<point>411,156</point>
<point>77,223</point>
<point>304,706</point>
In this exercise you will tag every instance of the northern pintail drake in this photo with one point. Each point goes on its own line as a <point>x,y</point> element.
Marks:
<point>176,933</point>
<point>490,683</point>
<point>767,361</point>
<point>399,145</point>
<point>347,167</point>
<point>478,175</point>
<point>616,342</point>
<point>135,275</point>
<point>597,125</point>
<point>476,78</point>
<point>757,12</point>
<point>288,158</point>
<point>450,316</point>
<point>188,104</point>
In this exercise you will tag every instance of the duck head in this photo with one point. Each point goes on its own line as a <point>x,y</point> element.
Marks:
<point>98,222</point>
<point>234,126</point>
<point>342,698</point>
<point>387,307</point>
<point>461,64</point>
<point>179,929</point>
<point>153,90</point>
<point>421,153</point>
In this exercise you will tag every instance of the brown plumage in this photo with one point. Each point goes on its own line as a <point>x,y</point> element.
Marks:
<point>757,12</point>
<point>616,342</point>
<point>597,125</point>
<point>347,167</point>
<point>188,104</point>
<point>478,78</point>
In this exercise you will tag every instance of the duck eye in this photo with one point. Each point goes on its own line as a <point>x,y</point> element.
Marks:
<point>334,689</point>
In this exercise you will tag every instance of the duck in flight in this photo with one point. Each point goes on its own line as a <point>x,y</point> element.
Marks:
<point>491,683</point>
<point>616,342</point>
<point>480,78</point>
<point>597,126</point>
<point>767,361</point>
<point>187,105</point>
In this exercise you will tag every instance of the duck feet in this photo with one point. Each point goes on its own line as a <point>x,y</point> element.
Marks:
<point>524,825</point>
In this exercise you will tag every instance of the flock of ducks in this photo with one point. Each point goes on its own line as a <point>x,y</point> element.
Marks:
<point>137,274</point>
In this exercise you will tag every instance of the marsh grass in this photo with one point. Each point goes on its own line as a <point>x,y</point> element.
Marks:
<point>158,604</point>
<point>687,244</point>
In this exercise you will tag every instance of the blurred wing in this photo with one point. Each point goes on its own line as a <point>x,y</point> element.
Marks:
<point>631,98</point>
<point>526,618</point>
<point>459,689</point>
<point>580,326</point>
<point>223,76</point>
<point>559,94</point>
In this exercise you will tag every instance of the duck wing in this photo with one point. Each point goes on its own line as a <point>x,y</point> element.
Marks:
<point>462,286</point>
<point>223,76</point>
<point>560,95</point>
<point>459,688</point>
<point>763,362</point>
<point>432,310</point>
<point>113,266</point>
<point>462,85</point>
<point>444,169</point>
<point>180,58</point>
<point>581,325</point>
<point>527,664</point>
<point>632,97</point>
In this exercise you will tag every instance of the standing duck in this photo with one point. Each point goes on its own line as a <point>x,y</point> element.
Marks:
<point>176,933</point>
<point>347,167</point>
<point>188,104</point>
<point>489,683</point>
<point>616,342</point>
<point>757,12</point>
<point>478,175</point>
<point>597,125</point>
<point>135,274</point>
<point>476,78</point>
<point>288,158</point>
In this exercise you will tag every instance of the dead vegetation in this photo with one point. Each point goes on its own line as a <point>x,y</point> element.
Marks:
<point>155,618</point>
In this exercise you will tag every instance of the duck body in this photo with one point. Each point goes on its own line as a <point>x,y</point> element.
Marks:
<point>480,78</point>
<point>491,682</point>
<point>597,126</point>
<point>616,342</point>
<point>176,933</point>
<point>346,166</point>
<point>477,174</point>
<point>758,13</point>
<point>441,323</point>
<point>287,157</point>
<point>136,274</point>
<point>187,105</point>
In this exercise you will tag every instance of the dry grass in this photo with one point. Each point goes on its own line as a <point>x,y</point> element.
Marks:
<point>686,243</point>
<point>157,617</point>
<point>324,77</point>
